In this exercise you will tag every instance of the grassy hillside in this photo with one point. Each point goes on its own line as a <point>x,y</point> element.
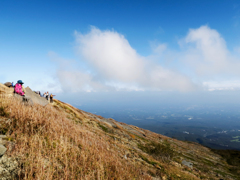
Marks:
<point>59,141</point>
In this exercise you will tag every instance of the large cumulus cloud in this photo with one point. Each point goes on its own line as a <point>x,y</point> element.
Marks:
<point>112,64</point>
<point>107,62</point>
<point>207,56</point>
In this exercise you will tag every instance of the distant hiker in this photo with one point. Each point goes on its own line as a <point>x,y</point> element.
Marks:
<point>51,98</point>
<point>12,84</point>
<point>38,92</point>
<point>19,89</point>
<point>47,95</point>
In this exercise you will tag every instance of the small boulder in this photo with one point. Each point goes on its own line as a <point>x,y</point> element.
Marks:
<point>2,150</point>
<point>5,90</point>
<point>114,126</point>
<point>8,84</point>
<point>188,164</point>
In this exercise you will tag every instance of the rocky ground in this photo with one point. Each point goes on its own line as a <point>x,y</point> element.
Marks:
<point>9,166</point>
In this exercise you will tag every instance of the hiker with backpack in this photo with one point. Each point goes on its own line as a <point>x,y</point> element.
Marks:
<point>51,98</point>
<point>19,88</point>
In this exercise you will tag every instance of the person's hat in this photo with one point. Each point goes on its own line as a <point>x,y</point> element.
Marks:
<point>20,82</point>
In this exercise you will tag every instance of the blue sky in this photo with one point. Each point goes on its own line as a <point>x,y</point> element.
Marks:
<point>149,46</point>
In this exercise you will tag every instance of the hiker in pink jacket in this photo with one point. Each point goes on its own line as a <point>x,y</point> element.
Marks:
<point>19,89</point>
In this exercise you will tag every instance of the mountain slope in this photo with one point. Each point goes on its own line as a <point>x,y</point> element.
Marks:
<point>59,141</point>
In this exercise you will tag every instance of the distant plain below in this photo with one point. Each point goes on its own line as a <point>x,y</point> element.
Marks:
<point>215,126</point>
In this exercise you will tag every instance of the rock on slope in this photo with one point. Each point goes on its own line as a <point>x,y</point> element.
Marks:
<point>59,141</point>
<point>34,98</point>
<point>6,90</point>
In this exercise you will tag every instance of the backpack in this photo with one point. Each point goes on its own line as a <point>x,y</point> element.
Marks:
<point>18,89</point>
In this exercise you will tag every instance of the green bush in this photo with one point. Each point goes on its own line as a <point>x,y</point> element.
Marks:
<point>159,151</point>
<point>3,112</point>
<point>105,129</point>
<point>146,159</point>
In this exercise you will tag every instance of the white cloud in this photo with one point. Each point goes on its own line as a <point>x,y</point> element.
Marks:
<point>222,85</point>
<point>116,65</point>
<point>207,53</point>
<point>110,54</point>
<point>109,63</point>
<point>45,83</point>
<point>73,79</point>
<point>158,48</point>
<point>237,49</point>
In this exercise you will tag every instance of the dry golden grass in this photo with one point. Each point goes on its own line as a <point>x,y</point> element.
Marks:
<point>62,142</point>
<point>51,146</point>
<point>118,127</point>
<point>132,136</point>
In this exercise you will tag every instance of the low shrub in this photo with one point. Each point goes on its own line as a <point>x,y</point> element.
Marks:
<point>148,161</point>
<point>159,151</point>
<point>105,129</point>
<point>3,112</point>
